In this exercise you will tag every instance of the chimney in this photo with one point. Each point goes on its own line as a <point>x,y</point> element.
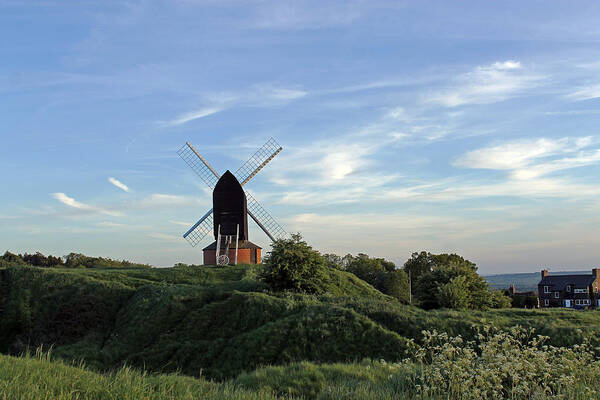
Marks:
<point>544,273</point>
<point>512,289</point>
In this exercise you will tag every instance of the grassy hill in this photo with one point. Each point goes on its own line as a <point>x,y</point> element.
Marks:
<point>221,321</point>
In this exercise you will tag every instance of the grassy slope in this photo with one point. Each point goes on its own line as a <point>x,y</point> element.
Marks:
<point>221,322</point>
<point>38,378</point>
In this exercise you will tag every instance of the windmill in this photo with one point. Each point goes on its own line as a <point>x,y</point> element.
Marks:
<point>228,219</point>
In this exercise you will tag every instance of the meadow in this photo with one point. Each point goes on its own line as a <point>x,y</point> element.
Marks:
<point>218,332</point>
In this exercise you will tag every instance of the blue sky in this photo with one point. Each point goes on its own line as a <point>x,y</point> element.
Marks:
<point>468,127</point>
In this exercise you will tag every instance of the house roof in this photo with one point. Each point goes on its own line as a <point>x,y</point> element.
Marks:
<point>558,282</point>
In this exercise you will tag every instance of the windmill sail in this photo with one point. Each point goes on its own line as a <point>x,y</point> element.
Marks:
<point>258,160</point>
<point>244,174</point>
<point>199,165</point>
<point>266,222</point>
<point>200,229</point>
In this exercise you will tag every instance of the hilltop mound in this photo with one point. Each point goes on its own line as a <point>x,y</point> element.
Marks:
<point>222,320</point>
<point>183,319</point>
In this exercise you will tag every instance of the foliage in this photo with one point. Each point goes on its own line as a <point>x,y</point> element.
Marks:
<point>380,273</point>
<point>506,365</point>
<point>419,264</point>
<point>221,320</point>
<point>515,364</point>
<point>77,260</point>
<point>9,260</point>
<point>369,269</point>
<point>454,283</point>
<point>499,299</point>
<point>72,260</point>
<point>334,261</point>
<point>395,283</point>
<point>293,265</point>
<point>40,260</point>
<point>454,294</point>
<point>522,300</point>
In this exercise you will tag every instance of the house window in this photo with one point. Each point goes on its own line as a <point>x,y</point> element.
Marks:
<point>546,302</point>
<point>580,290</point>
<point>556,294</point>
<point>546,289</point>
<point>569,288</point>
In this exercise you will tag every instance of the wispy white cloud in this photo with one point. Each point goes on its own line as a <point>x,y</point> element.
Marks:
<point>486,84</point>
<point>532,157</point>
<point>161,199</point>
<point>259,95</point>
<point>196,114</point>
<point>278,93</point>
<point>71,202</point>
<point>110,224</point>
<point>181,223</point>
<point>119,184</point>
<point>165,237</point>
<point>585,93</point>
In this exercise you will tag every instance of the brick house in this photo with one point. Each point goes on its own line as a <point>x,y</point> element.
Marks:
<point>569,290</point>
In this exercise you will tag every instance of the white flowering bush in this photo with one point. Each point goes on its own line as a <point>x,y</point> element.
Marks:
<point>500,365</point>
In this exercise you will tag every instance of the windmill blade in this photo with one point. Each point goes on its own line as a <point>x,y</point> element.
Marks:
<point>199,165</point>
<point>200,229</point>
<point>258,161</point>
<point>263,219</point>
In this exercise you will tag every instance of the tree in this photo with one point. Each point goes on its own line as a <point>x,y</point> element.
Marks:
<point>498,299</point>
<point>333,261</point>
<point>428,287</point>
<point>367,269</point>
<point>9,259</point>
<point>454,294</point>
<point>419,264</point>
<point>293,265</point>
<point>395,284</point>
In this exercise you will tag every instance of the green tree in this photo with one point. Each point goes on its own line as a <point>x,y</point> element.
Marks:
<point>454,294</point>
<point>333,261</point>
<point>448,267</point>
<point>293,265</point>
<point>395,283</point>
<point>419,264</point>
<point>498,299</point>
<point>366,268</point>
<point>9,259</point>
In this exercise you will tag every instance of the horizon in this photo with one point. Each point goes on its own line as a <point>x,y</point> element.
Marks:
<point>405,126</point>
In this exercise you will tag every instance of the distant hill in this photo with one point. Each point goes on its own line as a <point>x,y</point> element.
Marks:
<point>523,281</point>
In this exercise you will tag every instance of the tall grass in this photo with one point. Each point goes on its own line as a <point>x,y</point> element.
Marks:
<point>513,365</point>
<point>39,378</point>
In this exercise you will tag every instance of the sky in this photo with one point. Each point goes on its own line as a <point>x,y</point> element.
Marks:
<point>468,126</point>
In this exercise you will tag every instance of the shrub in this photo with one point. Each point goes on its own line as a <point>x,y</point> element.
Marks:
<point>506,365</point>
<point>293,265</point>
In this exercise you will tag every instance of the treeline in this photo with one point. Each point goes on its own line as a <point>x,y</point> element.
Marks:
<point>427,280</point>
<point>71,260</point>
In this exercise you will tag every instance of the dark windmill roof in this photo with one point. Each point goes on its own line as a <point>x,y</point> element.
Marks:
<point>243,244</point>
<point>558,282</point>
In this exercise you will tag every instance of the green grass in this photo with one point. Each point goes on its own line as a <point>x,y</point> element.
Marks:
<point>221,321</point>
<point>38,378</point>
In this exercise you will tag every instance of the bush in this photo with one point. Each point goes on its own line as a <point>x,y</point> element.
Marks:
<point>293,265</point>
<point>504,365</point>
